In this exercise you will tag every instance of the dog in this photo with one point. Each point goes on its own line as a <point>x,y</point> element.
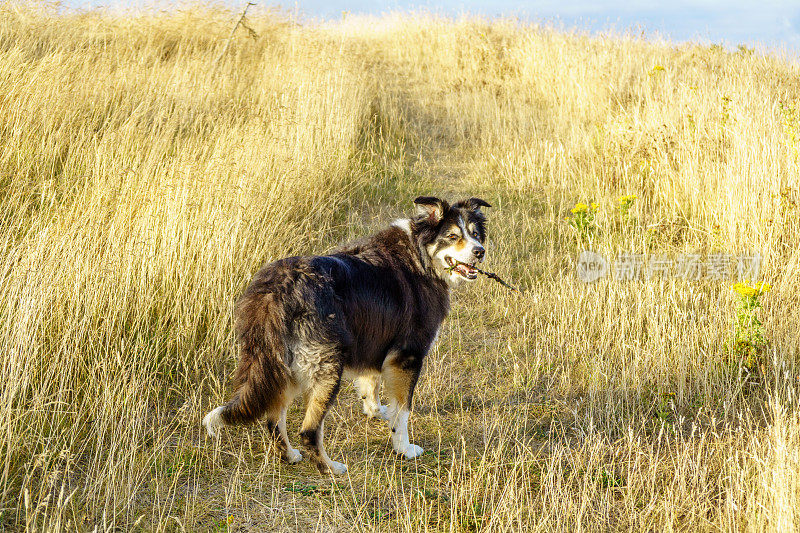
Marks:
<point>370,311</point>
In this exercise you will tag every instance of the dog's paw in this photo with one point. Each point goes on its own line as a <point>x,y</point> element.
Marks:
<point>380,412</point>
<point>337,469</point>
<point>293,455</point>
<point>412,451</point>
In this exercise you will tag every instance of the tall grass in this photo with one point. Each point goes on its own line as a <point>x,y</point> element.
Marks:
<point>144,178</point>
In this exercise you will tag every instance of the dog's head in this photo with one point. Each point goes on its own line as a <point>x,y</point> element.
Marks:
<point>451,236</point>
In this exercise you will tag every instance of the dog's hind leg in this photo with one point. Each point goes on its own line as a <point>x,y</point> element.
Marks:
<point>321,395</point>
<point>400,373</point>
<point>367,387</point>
<point>277,429</point>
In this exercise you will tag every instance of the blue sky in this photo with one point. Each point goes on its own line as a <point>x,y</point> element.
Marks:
<point>772,24</point>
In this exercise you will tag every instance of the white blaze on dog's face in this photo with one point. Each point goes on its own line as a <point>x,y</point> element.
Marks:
<point>458,250</point>
<point>456,246</point>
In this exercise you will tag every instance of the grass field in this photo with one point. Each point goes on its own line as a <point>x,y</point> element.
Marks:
<point>145,176</point>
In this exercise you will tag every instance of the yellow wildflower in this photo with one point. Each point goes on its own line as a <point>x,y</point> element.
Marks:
<point>579,208</point>
<point>742,289</point>
<point>745,290</point>
<point>595,207</point>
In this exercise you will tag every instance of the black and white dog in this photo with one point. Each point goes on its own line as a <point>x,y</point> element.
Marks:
<point>369,310</point>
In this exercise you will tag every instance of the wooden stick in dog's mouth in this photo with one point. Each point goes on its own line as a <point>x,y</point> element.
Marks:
<point>490,275</point>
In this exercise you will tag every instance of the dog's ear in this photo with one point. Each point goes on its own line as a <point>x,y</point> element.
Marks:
<point>473,204</point>
<point>431,208</point>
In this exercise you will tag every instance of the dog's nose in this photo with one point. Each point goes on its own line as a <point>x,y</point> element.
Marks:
<point>478,251</point>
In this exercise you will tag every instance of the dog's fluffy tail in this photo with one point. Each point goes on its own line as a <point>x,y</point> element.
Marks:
<point>263,374</point>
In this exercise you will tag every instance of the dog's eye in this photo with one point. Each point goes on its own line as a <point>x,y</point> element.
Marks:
<point>475,234</point>
<point>453,236</point>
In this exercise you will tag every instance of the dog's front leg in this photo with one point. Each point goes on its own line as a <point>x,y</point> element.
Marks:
<point>400,374</point>
<point>398,421</point>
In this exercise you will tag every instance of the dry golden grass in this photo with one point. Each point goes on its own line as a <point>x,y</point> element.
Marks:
<point>141,185</point>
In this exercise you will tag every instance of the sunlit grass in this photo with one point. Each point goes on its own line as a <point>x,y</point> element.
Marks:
<point>142,182</point>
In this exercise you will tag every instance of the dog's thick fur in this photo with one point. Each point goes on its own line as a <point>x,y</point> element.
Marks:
<point>370,309</point>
